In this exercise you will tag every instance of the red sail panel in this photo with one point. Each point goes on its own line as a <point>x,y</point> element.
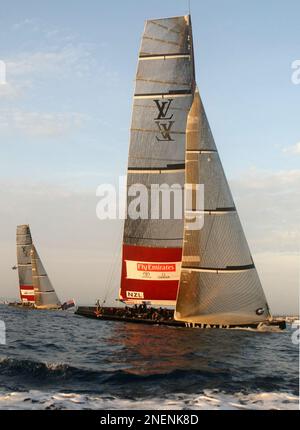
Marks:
<point>27,294</point>
<point>150,274</point>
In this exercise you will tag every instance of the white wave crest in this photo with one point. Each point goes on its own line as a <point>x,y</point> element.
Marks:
<point>208,400</point>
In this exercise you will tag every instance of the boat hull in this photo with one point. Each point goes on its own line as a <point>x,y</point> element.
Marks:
<point>119,315</point>
<point>21,305</point>
<point>33,307</point>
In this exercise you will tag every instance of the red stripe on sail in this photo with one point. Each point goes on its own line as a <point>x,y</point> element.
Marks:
<point>27,297</point>
<point>149,290</point>
<point>26,287</point>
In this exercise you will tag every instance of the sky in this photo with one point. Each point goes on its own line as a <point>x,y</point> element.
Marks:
<point>64,129</point>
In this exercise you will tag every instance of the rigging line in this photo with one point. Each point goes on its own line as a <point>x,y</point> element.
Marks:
<point>116,264</point>
<point>116,255</point>
<point>157,159</point>
<point>115,268</point>
<point>116,249</point>
<point>108,274</point>
<point>108,280</point>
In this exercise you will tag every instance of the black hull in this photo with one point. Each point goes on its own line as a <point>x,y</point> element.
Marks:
<point>91,312</point>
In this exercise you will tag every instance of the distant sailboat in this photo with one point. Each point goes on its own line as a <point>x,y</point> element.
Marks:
<point>35,286</point>
<point>24,247</point>
<point>208,275</point>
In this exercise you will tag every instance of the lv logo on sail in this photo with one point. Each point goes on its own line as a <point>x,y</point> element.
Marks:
<point>163,121</point>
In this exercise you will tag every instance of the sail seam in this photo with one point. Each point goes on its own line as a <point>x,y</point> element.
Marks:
<point>218,211</point>
<point>144,130</point>
<point>151,238</point>
<point>156,81</point>
<point>182,161</point>
<point>201,151</point>
<point>168,166</point>
<point>136,105</point>
<point>156,170</point>
<point>182,93</point>
<point>164,57</point>
<point>45,292</point>
<point>233,269</point>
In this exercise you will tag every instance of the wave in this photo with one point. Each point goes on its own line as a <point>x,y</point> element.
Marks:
<point>11,367</point>
<point>34,369</point>
<point>24,375</point>
<point>208,400</point>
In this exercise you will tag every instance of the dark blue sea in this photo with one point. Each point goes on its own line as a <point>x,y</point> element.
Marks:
<point>57,360</point>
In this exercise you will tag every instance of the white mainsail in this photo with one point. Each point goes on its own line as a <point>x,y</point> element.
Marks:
<point>24,245</point>
<point>163,97</point>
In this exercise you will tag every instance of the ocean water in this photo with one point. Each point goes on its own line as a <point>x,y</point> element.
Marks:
<point>57,360</point>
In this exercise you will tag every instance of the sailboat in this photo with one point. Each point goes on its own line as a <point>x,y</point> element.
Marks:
<point>36,289</point>
<point>208,275</point>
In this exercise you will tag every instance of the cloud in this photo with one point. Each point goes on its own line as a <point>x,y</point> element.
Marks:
<point>54,55</point>
<point>68,61</point>
<point>293,149</point>
<point>279,274</point>
<point>51,33</point>
<point>72,64</point>
<point>26,23</point>
<point>55,52</point>
<point>10,91</point>
<point>38,124</point>
<point>269,207</point>
<point>56,62</point>
<point>255,179</point>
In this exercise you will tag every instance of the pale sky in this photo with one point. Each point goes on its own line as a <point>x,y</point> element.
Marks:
<point>65,117</point>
